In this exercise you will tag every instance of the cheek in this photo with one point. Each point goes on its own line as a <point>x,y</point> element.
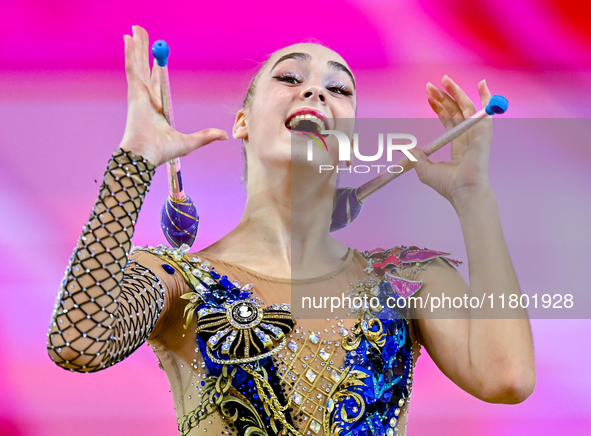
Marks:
<point>345,109</point>
<point>271,98</point>
<point>268,114</point>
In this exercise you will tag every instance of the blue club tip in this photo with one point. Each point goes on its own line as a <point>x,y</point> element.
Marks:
<point>160,51</point>
<point>497,105</point>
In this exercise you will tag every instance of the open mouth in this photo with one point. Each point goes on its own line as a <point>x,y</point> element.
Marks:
<point>306,123</point>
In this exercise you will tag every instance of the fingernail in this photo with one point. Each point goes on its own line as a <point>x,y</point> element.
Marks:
<point>224,137</point>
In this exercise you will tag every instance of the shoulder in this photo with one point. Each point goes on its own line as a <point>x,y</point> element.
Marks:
<point>168,265</point>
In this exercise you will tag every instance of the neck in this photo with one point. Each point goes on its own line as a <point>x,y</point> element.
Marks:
<point>286,221</point>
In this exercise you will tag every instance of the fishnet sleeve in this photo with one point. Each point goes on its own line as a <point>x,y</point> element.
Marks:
<point>108,303</point>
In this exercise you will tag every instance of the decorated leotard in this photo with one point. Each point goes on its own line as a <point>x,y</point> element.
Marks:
<point>236,359</point>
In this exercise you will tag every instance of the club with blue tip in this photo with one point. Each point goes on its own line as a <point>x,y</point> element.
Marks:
<point>179,217</point>
<point>348,201</point>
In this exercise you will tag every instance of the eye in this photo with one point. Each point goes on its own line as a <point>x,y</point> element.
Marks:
<point>339,88</point>
<point>289,77</point>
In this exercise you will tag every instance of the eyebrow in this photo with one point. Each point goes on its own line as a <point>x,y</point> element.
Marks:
<point>306,57</point>
<point>340,67</point>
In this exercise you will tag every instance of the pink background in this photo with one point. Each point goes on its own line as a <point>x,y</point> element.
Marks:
<point>62,113</point>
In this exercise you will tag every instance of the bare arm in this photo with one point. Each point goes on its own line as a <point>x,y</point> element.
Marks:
<point>489,357</point>
<point>492,359</point>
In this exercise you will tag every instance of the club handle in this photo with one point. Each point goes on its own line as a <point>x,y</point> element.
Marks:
<point>497,105</point>
<point>179,218</point>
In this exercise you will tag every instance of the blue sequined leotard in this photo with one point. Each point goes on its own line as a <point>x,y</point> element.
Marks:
<point>259,371</point>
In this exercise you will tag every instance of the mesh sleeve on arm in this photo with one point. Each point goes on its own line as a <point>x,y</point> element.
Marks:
<point>108,303</point>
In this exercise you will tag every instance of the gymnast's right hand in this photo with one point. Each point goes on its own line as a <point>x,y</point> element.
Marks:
<point>147,132</point>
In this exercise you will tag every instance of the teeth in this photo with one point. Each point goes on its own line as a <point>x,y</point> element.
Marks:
<point>295,121</point>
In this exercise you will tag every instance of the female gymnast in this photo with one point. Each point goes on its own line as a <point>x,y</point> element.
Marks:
<point>220,321</point>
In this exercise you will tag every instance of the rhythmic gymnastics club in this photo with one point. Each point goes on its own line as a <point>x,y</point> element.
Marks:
<point>348,201</point>
<point>179,218</point>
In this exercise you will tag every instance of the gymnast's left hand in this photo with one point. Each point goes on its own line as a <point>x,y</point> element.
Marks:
<point>466,174</point>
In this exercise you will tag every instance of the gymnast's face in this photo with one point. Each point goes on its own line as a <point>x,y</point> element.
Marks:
<point>299,78</point>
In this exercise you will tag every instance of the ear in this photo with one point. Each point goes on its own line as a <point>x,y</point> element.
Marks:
<point>240,130</point>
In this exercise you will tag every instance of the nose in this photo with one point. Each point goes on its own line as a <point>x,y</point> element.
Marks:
<point>313,92</point>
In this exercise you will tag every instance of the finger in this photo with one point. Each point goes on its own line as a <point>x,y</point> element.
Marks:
<point>204,137</point>
<point>155,87</point>
<point>142,53</point>
<point>450,105</point>
<point>446,119</point>
<point>422,164</point>
<point>459,96</point>
<point>484,92</point>
<point>443,106</point>
<point>130,63</point>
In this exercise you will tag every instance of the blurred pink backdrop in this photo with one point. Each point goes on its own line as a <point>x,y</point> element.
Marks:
<point>62,112</point>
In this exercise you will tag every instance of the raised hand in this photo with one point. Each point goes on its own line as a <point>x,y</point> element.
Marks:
<point>467,171</point>
<point>146,132</point>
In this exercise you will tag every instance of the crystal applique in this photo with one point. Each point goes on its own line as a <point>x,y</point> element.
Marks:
<point>227,284</point>
<point>311,375</point>
<point>212,341</point>
<point>314,338</point>
<point>314,426</point>
<point>264,338</point>
<point>228,342</point>
<point>208,311</point>
<point>168,269</point>
<point>330,405</point>
<point>293,346</point>
<point>324,354</point>
<point>276,331</point>
<point>364,325</point>
<point>297,398</point>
